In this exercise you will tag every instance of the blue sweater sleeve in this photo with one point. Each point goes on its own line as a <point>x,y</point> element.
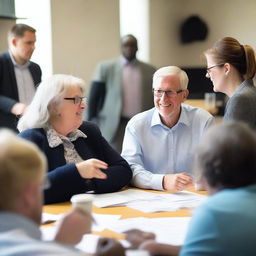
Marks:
<point>65,179</point>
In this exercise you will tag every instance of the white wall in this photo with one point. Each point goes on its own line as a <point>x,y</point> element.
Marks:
<point>38,15</point>
<point>235,18</point>
<point>83,33</point>
<point>134,19</point>
<point>5,25</point>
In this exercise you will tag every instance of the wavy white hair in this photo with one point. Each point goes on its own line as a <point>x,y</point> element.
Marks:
<point>49,91</point>
<point>172,71</point>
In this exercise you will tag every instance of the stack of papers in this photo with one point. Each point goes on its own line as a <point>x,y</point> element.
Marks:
<point>149,202</point>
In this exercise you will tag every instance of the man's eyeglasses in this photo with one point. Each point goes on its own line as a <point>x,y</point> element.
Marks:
<point>77,100</point>
<point>217,65</point>
<point>169,94</point>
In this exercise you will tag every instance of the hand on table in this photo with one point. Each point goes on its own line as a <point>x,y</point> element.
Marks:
<point>178,181</point>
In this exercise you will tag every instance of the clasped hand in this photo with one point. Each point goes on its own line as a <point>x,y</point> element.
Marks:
<point>91,168</point>
<point>178,181</point>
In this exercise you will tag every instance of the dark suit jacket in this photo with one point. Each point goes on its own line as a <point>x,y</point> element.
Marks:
<point>9,90</point>
<point>105,99</point>
<point>65,179</point>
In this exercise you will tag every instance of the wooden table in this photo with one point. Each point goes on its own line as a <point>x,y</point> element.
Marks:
<point>125,212</point>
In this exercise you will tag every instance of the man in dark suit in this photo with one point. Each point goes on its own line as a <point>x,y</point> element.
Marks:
<point>120,89</point>
<point>18,75</point>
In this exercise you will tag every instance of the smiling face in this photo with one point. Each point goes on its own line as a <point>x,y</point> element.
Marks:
<point>69,116</point>
<point>169,107</point>
<point>216,74</point>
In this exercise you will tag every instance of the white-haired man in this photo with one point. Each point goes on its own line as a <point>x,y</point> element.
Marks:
<point>159,143</point>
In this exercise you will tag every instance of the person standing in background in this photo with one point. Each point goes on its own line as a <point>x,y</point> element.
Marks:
<point>18,75</point>
<point>120,89</point>
<point>231,68</point>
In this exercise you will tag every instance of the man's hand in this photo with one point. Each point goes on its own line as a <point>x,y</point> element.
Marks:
<point>73,226</point>
<point>178,181</point>
<point>136,237</point>
<point>109,247</point>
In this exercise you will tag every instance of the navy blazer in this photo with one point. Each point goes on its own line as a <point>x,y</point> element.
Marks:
<point>9,90</point>
<point>65,179</point>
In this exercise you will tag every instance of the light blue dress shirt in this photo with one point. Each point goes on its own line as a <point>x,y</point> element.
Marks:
<point>25,83</point>
<point>153,149</point>
<point>20,236</point>
<point>225,224</point>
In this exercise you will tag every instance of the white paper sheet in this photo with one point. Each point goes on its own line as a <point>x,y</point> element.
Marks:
<point>171,230</point>
<point>150,202</point>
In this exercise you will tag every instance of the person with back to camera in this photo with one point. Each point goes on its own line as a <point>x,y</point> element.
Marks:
<point>159,143</point>
<point>21,206</point>
<point>79,158</point>
<point>18,75</point>
<point>120,89</point>
<point>231,68</point>
<point>225,224</point>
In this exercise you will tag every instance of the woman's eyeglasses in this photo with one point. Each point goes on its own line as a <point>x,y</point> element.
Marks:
<point>77,100</point>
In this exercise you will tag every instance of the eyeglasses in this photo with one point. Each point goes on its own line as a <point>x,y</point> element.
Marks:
<point>217,65</point>
<point>77,100</point>
<point>169,94</point>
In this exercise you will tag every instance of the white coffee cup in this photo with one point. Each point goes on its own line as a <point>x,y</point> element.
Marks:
<point>84,201</point>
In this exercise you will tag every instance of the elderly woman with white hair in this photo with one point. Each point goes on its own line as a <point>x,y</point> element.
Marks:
<point>79,158</point>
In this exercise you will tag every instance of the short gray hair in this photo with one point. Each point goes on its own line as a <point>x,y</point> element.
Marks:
<point>172,71</point>
<point>49,91</point>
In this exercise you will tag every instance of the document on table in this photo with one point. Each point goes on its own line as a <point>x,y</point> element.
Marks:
<point>171,230</point>
<point>148,201</point>
<point>101,222</point>
<point>89,243</point>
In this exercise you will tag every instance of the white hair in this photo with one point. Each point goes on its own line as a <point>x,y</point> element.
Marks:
<point>172,71</point>
<point>49,91</point>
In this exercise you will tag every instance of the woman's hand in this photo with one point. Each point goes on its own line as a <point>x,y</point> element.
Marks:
<point>90,168</point>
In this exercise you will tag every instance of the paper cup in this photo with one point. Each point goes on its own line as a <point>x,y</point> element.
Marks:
<point>84,201</point>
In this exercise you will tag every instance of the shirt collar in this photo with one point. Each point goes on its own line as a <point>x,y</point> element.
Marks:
<point>124,61</point>
<point>184,119</point>
<point>55,139</point>
<point>17,65</point>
